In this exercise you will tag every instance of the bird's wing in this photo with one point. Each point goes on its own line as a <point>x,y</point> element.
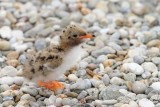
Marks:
<point>37,63</point>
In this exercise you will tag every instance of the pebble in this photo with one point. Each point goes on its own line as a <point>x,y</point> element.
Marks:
<point>82,95</point>
<point>18,80</point>
<point>81,84</point>
<point>8,71</point>
<point>109,102</point>
<point>101,58</point>
<point>156,60</point>
<point>138,59</point>
<point>29,90</point>
<point>106,79</point>
<point>4,45</point>
<point>146,103</point>
<point>133,67</point>
<point>6,32</point>
<point>155,85</point>
<point>117,81</point>
<point>138,87</point>
<point>72,77</point>
<point>111,92</point>
<point>40,44</point>
<point>103,51</point>
<point>149,67</point>
<point>130,77</point>
<point>6,80</point>
<point>93,92</point>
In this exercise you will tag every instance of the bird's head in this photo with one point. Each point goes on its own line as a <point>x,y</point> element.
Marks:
<point>74,35</point>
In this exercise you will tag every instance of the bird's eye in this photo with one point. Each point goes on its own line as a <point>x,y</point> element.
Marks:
<point>75,35</point>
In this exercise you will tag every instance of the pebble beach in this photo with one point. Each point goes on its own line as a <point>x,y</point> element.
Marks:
<point>121,66</point>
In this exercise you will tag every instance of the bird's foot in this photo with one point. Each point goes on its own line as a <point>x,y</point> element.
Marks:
<point>51,85</point>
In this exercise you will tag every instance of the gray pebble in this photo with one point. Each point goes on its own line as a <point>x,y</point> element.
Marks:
<point>138,59</point>
<point>22,59</point>
<point>81,84</point>
<point>101,58</point>
<point>156,60</point>
<point>40,44</point>
<point>106,79</point>
<point>130,77</point>
<point>29,90</point>
<point>82,95</point>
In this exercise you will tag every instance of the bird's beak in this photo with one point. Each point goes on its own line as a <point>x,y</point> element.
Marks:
<point>86,36</point>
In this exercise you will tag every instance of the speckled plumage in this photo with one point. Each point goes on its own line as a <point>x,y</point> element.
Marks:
<point>43,62</point>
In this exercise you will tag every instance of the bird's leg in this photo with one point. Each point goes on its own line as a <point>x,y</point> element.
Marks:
<point>51,85</point>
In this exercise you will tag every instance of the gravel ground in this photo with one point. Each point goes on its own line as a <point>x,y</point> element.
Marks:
<point>120,69</point>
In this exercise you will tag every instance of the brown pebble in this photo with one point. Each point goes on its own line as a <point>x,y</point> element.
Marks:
<point>91,66</point>
<point>13,55</point>
<point>12,62</point>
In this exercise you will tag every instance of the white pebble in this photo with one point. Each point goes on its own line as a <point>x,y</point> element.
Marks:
<point>156,85</point>
<point>133,67</point>
<point>146,103</point>
<point>8,71</point>
<point>5,32</point>
<point>6,80</point>
<point>149,67</point>
<point>72,77</point>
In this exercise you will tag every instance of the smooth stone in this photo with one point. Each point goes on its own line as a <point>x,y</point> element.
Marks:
<point>133,104</point>
<point>138,59</point>
<point>81,72</point>
<point>40,44</point>
<point>18,34</point>
<point>82,95</point>
<point>101,58</point>
<point>22,59</point>
<point>5,32</point>
<point>133,67</point>
<point>106,79</point>
<point>81,84</point>
<point>67,101</point>
<point>153,52</point>
<point>8,103</point>
<point>18,80</point>
<point>29,90</point>
<point>139,51</point>
<point>4,45</point>
<point>46,32</point>
<point>115,46</point>
<point>12,55</point>
<point>149,67</point>
<point>27,97</point>
<point>82,65</point>
<point>146,36</point>
<point>146,74</point>
<point>146,103</point>
<point>8,71</point>
<point>6,80</point>
<point>71,94</point>
<point>138,87</point>
<point>109,102</point>
<point>12,62</point>
<point>117,81</point>
<point>58,102</point>
<point>139,8</point>
<point>151,19</point>
<point>90,18</point>
<point>72,77</point>
<point>155,85</point>
<point>130,77</point>
<point>156,60</point>
<point>103,51</point>
<point>4,87</point>
<point>32,32</point>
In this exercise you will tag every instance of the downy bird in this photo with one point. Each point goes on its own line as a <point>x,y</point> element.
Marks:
<point>49,64</point>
